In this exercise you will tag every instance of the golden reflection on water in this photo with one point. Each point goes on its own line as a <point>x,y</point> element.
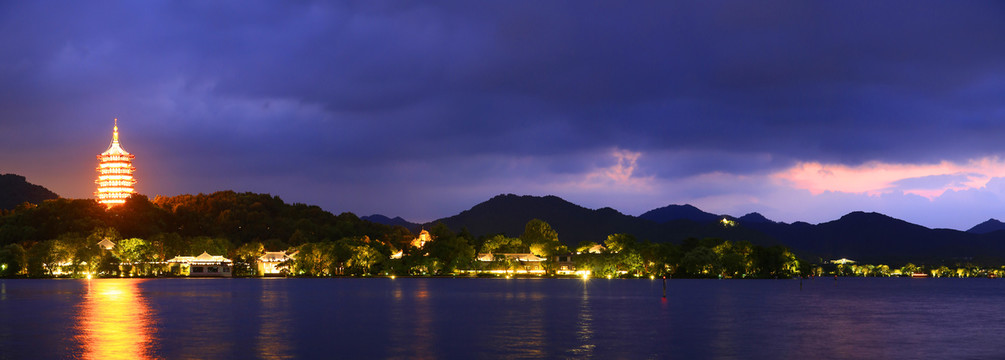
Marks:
<point>114,321</point>
<point>584,327</point>
<point>410,321</point>
<point>533,341</point>
<point>424,321</point>
<point>517,327</point>
<point>273,338</point>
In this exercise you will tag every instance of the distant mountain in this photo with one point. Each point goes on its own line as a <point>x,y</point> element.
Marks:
<point>679,212</point>
<point>15,190</point>
<point>753,218</point>
<point>508,214</point>
<point>989,226</point>
<point>396,221</point>
<point>874,237</point>
<point>861,236</point>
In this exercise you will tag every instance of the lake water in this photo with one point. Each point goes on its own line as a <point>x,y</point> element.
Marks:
<point>429,318</point>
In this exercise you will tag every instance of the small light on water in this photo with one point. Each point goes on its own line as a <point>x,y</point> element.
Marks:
<point>652,277</point>
<point>608,276</point>
<point>392,277</point>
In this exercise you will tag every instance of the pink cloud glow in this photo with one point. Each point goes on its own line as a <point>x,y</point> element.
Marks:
<point>876,178</point>
<point>619,176</point>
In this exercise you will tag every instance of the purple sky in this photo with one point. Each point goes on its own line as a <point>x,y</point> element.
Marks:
<point>799,110</point>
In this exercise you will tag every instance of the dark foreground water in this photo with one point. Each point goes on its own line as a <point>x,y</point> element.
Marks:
<point>496,318</point>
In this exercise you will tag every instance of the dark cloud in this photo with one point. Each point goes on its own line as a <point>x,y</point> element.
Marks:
<point>333,93</point>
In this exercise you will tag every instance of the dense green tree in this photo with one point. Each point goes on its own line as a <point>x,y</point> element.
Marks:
<point>135,254</point>
<point>908,269</point>
<point>584,246</point>
<point>617,242</point>
<point>541,239</point>
<point>775,261</point>
<point>700,262</point>
<point>364,259</point>
<point>138,217</point>
<point>651,257</point>
<point>51,219</point>
<point>211,245</point>
<point>537,231</point>
<point>87,259</point>
<point>13,260</point>
<point>629,261</point>
<point>245,258</point>
<point>503,245</point>
<point>399,237</point>
<point>451,253</point>
<point>315,259</point>
<point>44,256</point>
<point>169,245</point>
<point>601,265</point>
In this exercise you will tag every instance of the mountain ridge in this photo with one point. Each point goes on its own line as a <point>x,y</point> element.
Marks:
<point>859,235</point>
<point>16,190</point>
<point>991,225</point>
<point>677,212</point>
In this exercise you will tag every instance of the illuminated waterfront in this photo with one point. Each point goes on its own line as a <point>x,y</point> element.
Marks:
<point>498,318</point>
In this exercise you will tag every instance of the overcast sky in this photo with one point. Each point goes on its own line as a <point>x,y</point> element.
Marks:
<point>799,110</point>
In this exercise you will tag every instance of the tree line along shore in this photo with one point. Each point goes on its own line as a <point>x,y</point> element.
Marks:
<point>61,237</point>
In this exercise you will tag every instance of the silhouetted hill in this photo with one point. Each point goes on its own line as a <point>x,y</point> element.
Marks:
<point>508,214</point>
<point>874,237</point>
<point>991,225</point>
<point>396,221</point>
<point>15,190</point>
<point>861,236</point>
<point>753,218</point>
<point>678,212</point>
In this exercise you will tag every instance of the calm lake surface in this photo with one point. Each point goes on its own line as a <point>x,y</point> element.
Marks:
<point>428,318</point>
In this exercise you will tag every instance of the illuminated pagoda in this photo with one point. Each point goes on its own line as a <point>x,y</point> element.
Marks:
<point>115,173</point>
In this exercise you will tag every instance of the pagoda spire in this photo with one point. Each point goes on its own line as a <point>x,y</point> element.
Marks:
<point>115,131</point>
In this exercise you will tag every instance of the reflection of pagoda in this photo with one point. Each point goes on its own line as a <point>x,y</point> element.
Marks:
<point>115,173</point>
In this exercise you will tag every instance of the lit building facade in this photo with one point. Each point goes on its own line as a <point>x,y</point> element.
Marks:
<point>202,265</point>
<point>521,263</point>
<point>115,173</point>
<point>274,263</point>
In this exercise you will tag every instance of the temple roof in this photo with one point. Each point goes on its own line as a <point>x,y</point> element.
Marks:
<point>510,256</point>
<point>273,256</point>
<point>205,257</point>
<point>114,148</point>
<point>106,244</point>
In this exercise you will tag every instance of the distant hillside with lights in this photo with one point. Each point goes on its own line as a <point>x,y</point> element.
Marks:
<point>176,221</point>
<point>507,214</point>
<point>247,217</point>
<point>16,190</point>
<point>863,236</point>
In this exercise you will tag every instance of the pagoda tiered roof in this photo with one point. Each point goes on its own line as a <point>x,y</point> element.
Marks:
<point>115,173</point>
